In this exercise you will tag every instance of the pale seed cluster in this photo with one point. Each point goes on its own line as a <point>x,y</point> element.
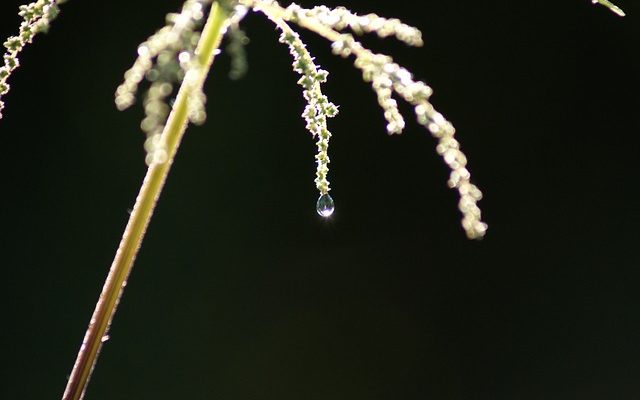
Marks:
<point>388,78</point>
<point>459,178</point>
<point>36,18</point>
<point>340,18</point>
<point>165,58</point>
<point>168,57</point>
<point>318,108</point>
<point>238,40</point>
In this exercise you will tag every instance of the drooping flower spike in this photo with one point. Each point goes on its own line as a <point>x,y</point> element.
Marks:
<point>318,109</point>
<point>36,18</point>
<point>387,79</point>
<point>164,59</point>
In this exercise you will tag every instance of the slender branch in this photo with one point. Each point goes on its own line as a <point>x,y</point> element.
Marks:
<point>152,185</point>
<point>610,6</point>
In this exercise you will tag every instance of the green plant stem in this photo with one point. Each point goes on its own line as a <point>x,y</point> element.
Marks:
<point>152,185</point>
<point>611,7</point>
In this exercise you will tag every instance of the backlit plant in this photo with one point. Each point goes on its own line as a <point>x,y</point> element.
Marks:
<point>175,61</point>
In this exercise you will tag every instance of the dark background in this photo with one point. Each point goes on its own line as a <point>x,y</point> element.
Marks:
<point>242,292</point>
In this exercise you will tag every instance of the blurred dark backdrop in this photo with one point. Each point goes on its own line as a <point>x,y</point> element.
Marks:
<point>242,292</point>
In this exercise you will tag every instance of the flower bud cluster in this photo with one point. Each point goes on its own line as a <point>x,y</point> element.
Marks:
<point>238,40</point>
<point>388,79</point>
<point>459,178</point>
<point>165,58</point>
<point>36,18</point>
<point>340,18</point>
<point>318,108</point>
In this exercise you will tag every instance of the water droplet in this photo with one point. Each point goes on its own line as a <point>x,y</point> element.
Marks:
<point>325,205</point>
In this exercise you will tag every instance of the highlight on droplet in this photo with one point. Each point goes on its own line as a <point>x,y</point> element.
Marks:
<point>325,206</point>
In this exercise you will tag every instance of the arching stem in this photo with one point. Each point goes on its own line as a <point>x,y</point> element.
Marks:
<point>152,185</point>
